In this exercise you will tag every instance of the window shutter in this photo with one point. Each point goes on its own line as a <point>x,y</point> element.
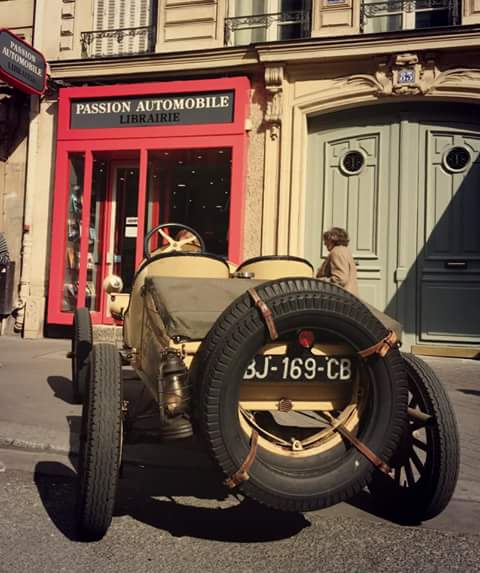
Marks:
<point>118,15</point>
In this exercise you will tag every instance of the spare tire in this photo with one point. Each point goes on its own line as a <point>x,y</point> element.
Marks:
<point>320,468</point>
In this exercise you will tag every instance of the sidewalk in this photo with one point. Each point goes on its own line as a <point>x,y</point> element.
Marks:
<point>36,410</point>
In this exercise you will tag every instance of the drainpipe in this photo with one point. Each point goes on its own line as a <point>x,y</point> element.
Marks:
<point>25,274</point>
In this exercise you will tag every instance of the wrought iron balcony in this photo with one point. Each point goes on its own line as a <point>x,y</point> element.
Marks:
<point>244,30</point>
<point>120,42</point>
<point>392,15</point>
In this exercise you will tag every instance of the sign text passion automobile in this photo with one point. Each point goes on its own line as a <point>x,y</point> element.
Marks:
<point>21,66</point>
<point>136,111</point>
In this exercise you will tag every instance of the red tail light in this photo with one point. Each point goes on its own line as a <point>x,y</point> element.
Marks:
<point>306,338</point>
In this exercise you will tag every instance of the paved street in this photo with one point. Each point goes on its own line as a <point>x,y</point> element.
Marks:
<point>176,516</point>
<point>154,533</point>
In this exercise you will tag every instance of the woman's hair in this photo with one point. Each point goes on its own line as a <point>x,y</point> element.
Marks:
<point>337,235</point>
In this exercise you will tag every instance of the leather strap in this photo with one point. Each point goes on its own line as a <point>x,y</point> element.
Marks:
<point>266,313</point>
<point>360,446</point>
<point>382,347</point>
<point>242,473</point>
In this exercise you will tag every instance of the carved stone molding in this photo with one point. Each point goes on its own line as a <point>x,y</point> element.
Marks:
<point>400,75</point>
<point>411,74</point>
<point>458,79</point>
<point>274,86</point>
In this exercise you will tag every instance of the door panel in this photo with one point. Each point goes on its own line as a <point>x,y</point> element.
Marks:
<point>412,213</point>
<point>353,178</point>
<point>449,264</point>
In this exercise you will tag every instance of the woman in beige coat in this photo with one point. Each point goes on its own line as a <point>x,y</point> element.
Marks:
<point>339,267</point>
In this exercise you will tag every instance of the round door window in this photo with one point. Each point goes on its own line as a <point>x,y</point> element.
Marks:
<point>456,159</point>
<point>352,162</point>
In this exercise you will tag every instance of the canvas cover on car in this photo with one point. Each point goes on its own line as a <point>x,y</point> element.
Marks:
<point>188,307</point>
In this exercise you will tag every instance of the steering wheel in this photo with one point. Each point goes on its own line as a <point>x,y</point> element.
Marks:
<point>172,245</point>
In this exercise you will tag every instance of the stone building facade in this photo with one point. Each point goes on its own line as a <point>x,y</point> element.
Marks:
<point>360,114</point>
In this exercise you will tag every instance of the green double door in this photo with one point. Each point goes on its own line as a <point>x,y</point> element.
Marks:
<point>405,182</point>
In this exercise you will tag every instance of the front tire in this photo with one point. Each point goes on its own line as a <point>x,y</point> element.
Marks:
<point>426,464</point>
<point>100,444</point>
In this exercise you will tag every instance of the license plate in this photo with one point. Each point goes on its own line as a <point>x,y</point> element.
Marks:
<point>312,368</point>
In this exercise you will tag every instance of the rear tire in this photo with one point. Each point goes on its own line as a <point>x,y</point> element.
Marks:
<point>82,340</point>
<point>291,482</point>
<point>100,444</point>
<point>428,459</point>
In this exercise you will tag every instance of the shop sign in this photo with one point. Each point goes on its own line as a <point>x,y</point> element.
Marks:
<point>144,111</point>
<point>21,65</point>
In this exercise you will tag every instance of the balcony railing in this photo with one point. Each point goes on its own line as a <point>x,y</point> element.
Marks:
<point>392,15</point>
<point>120,42</point>
<point>244,30</point>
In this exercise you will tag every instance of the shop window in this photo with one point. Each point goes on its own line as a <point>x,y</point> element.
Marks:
<point>392,15</point>
<point>191,187</point>
<point>253,21</point>
<point>71,277</point>
<point>73,232</point>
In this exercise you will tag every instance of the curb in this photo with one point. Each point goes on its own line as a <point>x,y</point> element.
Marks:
<point>31,445</point>
<point>131,457</point>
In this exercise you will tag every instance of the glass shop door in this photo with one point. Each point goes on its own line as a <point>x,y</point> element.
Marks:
<point>121,244</point>
<point>112,230</point>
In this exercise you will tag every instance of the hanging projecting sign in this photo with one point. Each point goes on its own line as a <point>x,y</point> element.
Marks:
<point>179,109</point>
<point>21,66</point>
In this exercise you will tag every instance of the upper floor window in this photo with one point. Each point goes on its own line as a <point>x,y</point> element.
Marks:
<point>392,15</point>
<point>252,21</point>
<point>121,27</point>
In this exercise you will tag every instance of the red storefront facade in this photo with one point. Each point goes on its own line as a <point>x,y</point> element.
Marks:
<point>130,157</point>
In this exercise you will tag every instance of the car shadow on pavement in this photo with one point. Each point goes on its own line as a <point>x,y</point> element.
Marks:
<point>469,391</point>
<point>56,485</point>
<point>194,503</point>
<point>367,503</point>
<point>62,388</point>
<point>150,495</point>
<point>245,522</point>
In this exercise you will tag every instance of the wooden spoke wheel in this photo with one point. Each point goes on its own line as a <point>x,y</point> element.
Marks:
<point>425,465</point>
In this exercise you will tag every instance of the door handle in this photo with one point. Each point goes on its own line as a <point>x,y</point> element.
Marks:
<point>456,264</point>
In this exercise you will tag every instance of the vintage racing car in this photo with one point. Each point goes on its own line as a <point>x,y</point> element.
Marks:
<point>298,388</point>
